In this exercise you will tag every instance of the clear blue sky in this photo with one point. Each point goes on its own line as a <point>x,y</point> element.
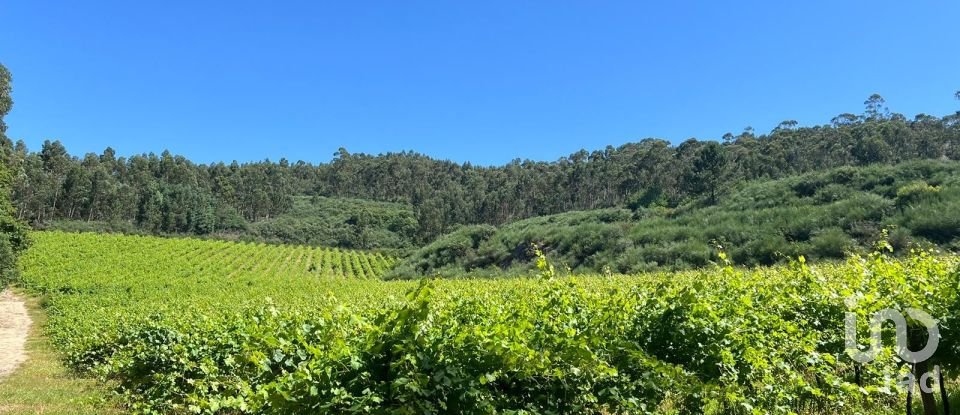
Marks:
<point>484,81</point>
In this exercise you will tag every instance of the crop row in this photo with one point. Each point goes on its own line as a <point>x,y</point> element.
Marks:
<point>125,257</point>
<point>195,337</point>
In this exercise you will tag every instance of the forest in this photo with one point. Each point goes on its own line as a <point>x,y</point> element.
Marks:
<point>169,194</point>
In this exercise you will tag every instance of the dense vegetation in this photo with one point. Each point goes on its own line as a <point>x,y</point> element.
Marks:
<point>180,327</point>
<point>311,220</point>
<point>166,194</point>
<point>221,327</point>
<point>13,236</point>
<point>822,215</point>
<point>352,223</point>
<point>193,258</point>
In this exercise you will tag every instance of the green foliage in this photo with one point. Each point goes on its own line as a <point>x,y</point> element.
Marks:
<point>938,222</point>
<point>346,223</point>
<point>832,243</point>
<point>459,247</point>
<point>13,233</point>
<point>821,215</point>
<point>915,192</point>
<point>6,100</point>
<point>707,171</point>
<point>167,194</point>
<point>647,198</point>
<point>211,327</point>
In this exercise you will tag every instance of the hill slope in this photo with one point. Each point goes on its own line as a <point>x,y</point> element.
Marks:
<point>167,193</point>
<point>341,222</point>
<point>820,215</point>
<point>143,257</point>
<point>179,328</point>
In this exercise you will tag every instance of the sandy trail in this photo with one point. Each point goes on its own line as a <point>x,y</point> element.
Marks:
<point>14,326</point>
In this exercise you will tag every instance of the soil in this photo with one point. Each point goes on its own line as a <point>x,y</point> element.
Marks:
<point>14,327</point>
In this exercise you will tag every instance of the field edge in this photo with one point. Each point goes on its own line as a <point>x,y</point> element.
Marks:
<point>43,384</point>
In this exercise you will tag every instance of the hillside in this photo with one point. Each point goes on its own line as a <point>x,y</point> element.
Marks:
<point>340,222</point>
<point>821,215</point>
<point>217,327</point>
<point>118,257</point>
<point>170,194</point>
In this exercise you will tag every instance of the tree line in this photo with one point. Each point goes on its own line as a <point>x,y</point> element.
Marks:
<point>168,193</point>
<point>13,233</point>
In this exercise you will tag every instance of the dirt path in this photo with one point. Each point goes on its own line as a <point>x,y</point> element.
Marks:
<point>14,326</point>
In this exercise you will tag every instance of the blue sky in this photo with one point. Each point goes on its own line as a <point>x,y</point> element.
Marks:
<point>484,82</point>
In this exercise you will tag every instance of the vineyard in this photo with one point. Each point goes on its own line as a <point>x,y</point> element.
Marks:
<point>188,326</point>
<point>116,257</point>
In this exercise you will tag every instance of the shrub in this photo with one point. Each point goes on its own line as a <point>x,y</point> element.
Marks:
<point>831,243</point>
<point>765,250</point>
<point>832,193</point>
<point>938,222</point>
<point>900,239</point>
<point>915,192</point>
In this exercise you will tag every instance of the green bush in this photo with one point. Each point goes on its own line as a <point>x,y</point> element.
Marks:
<point>339,222</point>
<point>831,243</point>
<point>901,239</point>
<point>832,192</point>
<point>938,222</point>
<point>915,192</point>
<point>124,227</point>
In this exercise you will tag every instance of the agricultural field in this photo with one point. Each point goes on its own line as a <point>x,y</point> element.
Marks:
<point>189,326</point>
<point>479,208</point>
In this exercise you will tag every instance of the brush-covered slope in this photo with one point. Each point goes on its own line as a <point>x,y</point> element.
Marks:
<point>820,215</point>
